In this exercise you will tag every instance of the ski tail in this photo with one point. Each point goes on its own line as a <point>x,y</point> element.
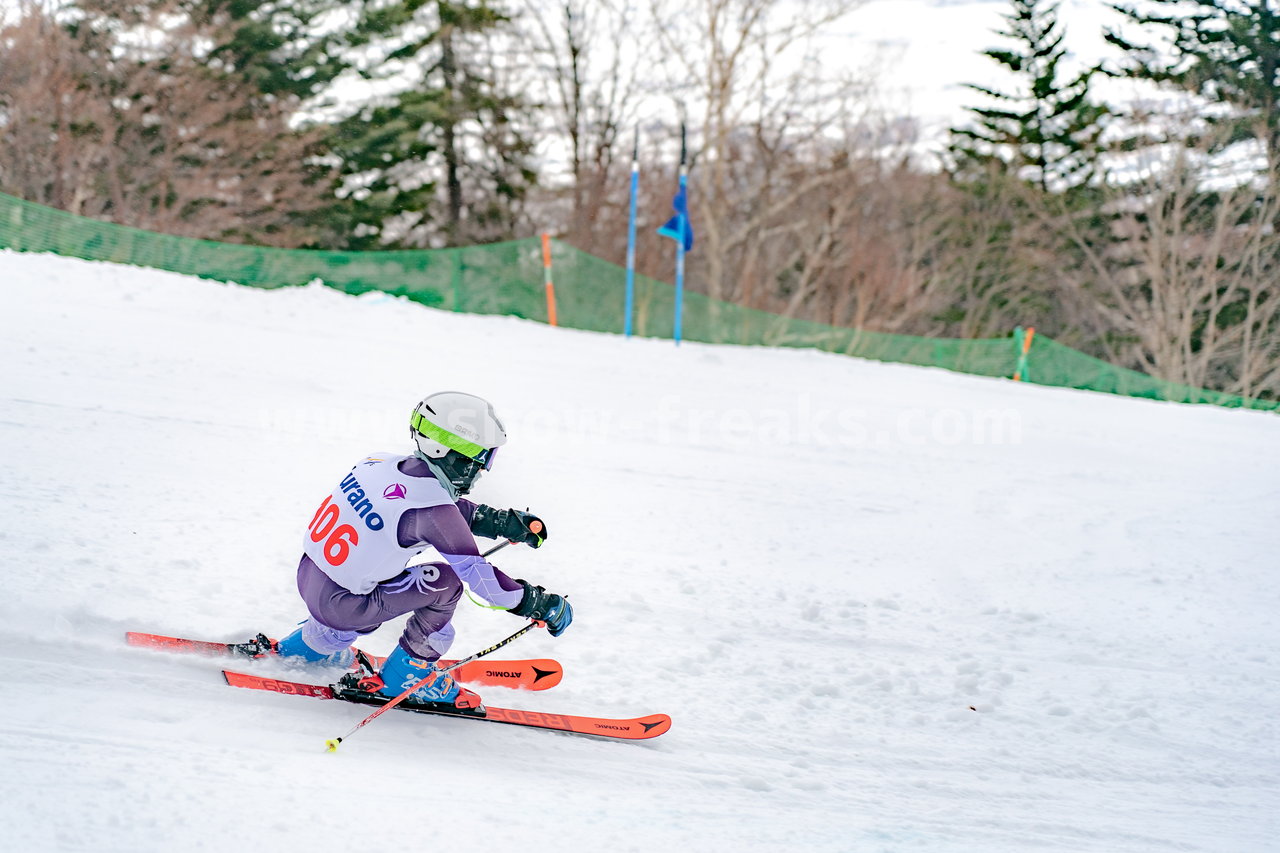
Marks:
<point>252,648</point>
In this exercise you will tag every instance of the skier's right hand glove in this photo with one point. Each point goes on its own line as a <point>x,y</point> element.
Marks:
<point>545,607</point>
<point>509,524</point>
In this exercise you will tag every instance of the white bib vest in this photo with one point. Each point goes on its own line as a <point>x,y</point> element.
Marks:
<point>352,537</point>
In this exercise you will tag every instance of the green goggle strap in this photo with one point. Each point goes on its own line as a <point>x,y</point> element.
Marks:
<point>422,426</point>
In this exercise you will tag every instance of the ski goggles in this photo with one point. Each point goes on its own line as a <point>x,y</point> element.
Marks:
<point>485,457</point>
<point>471,450</point>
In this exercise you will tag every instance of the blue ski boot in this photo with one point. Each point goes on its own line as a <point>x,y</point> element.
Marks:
<point>316,643</point>
<point>401,670</point>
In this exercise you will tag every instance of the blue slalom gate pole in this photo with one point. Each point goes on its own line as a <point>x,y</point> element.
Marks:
<point>679,229</point>
<point>631,236</point>
<point>680,270</point>
<point>686,232</point>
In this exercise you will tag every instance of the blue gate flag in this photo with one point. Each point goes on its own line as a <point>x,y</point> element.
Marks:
<point>678,227</point>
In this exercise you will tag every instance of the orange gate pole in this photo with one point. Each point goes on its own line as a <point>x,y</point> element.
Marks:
<point>1021,369</point>
<point>546,278</point>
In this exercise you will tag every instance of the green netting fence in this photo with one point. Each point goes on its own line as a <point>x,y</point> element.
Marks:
<point>507,278</point>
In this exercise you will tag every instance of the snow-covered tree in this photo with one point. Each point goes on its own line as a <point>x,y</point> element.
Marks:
<point>1046,128</point>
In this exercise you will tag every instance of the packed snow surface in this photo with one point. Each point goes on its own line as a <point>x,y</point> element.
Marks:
<point>888,608</point>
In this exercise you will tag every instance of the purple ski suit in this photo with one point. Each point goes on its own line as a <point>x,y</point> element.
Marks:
<point>339,615</point>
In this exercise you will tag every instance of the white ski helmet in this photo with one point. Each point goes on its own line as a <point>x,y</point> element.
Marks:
<point>458,434</point>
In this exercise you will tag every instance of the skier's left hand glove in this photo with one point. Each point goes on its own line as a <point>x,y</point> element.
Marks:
<point>509,524</point>
<point>545,607</point>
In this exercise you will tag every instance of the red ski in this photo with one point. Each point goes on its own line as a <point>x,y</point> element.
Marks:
<point>637,728</point>
<point>534,674</point>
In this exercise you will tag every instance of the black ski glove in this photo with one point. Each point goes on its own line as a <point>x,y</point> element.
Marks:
<point>508,524</point>
<point>545,607</point>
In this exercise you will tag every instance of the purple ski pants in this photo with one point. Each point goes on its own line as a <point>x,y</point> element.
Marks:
<point>431,599</point>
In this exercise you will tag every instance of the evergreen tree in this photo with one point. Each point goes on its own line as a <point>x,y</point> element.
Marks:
<point>444,161</point>
<point>1223,50</point>
<point>281,47</point>
<point>1028,157</point>
<point>1047,130</point>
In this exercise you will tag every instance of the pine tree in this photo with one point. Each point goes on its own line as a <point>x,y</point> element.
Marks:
<point>444,161</point>
<point>1223,50</point>
<point>281,47</point>
<point>1048,129</point>
<point>1031,155</point>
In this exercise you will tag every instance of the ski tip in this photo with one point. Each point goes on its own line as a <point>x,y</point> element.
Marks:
<point>331,745</point>
<point>658,724</point>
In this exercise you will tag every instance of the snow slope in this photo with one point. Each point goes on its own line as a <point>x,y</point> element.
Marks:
<point>888,608</point>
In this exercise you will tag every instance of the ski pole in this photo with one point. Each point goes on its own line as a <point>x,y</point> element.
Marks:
<point>332,744</point>
<point>496,548</point>
<point>535,528</point>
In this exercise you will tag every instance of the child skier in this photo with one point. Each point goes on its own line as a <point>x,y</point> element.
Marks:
<point>353,574</point>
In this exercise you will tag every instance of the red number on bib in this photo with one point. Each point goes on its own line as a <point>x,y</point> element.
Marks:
<point>319,510</point>
<point>324,521</point>
<point>338,548</point>
<point>339,545</point>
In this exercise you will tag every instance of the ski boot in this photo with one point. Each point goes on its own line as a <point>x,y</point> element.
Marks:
<point>402,670</point>
<point>316,643</point>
